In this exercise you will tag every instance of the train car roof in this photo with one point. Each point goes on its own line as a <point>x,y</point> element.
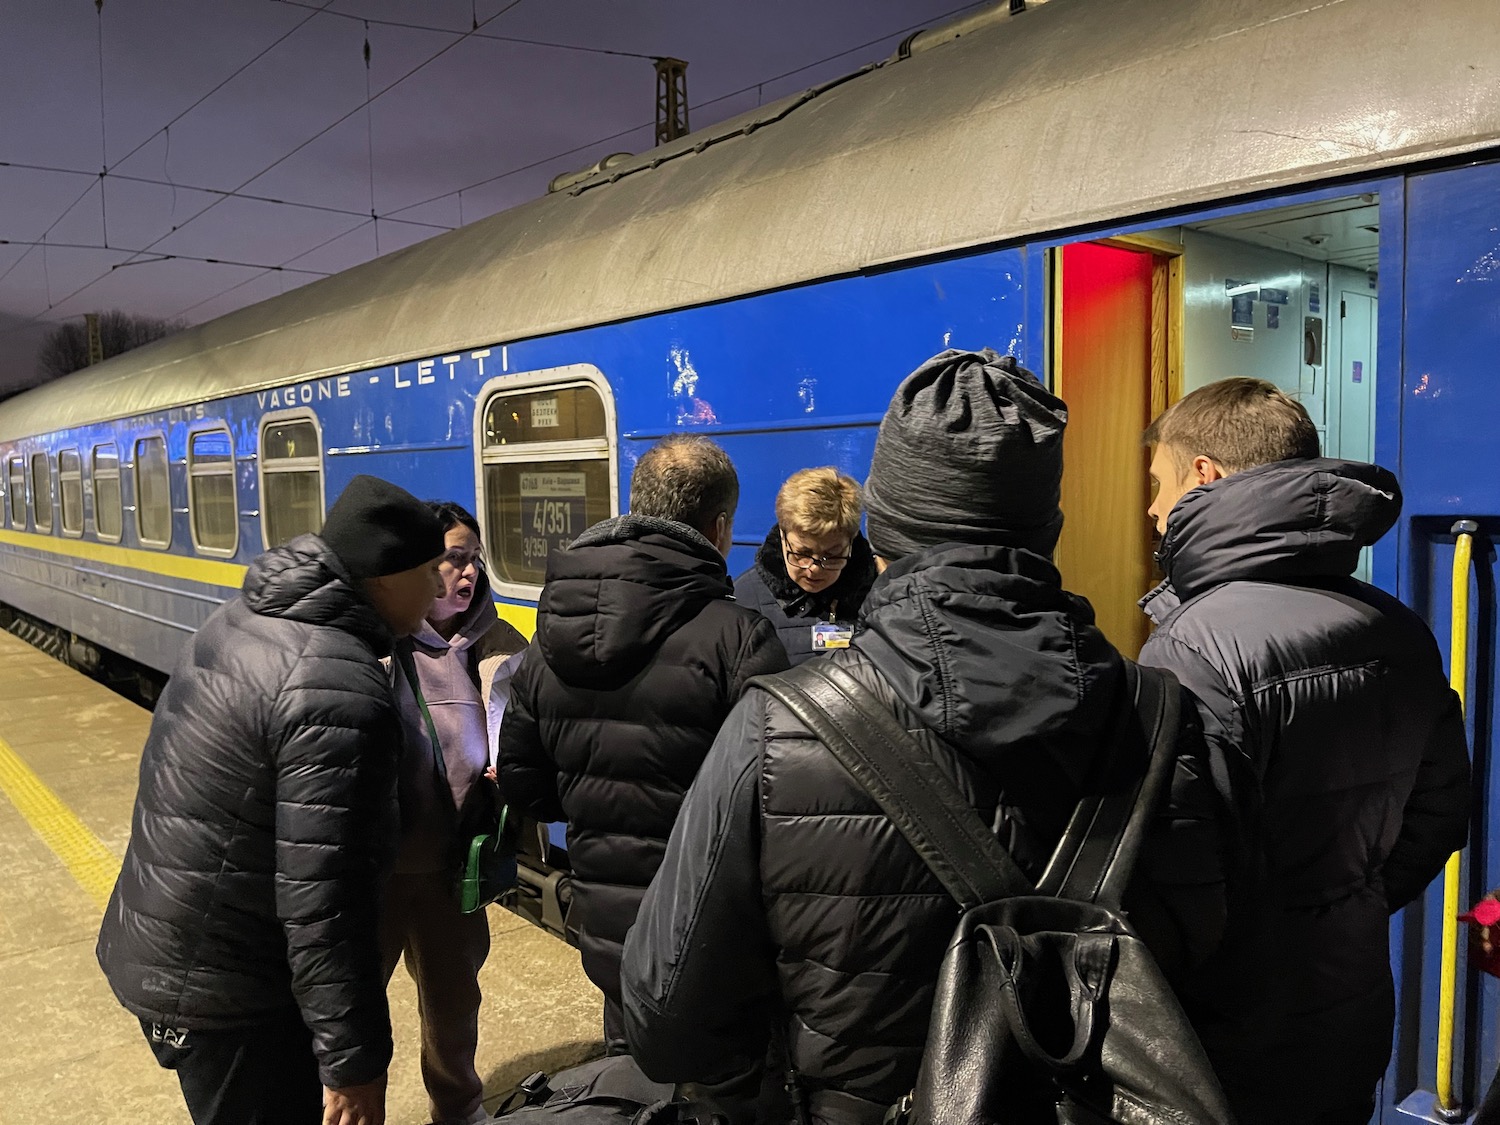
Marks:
<point>1062,117</point>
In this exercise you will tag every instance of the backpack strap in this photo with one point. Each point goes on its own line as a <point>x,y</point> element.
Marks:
<point>1097,854</point>
<point>900,773</point>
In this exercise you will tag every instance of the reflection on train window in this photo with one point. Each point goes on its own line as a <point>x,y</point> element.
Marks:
<point>291,487</point>
<point>212,508</point>
<point>70,490</point>
<point>105,474</point>
<point>153,493</point>
<point>16,477</point>
<point>556,414</point>
<point>546,475</point>
<point>41,491</point>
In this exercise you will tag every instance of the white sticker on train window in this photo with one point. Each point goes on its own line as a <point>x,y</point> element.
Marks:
<point>553,513</point>
<point>544,413</point>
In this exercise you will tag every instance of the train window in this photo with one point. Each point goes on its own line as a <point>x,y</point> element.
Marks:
<point>70,490</point>
<point>41,491</point>
<point>291,481</point>
<point>547,474</point>
<point>105,474</point>
<point>153,493</point>
<point>16,475</point>
<point>212,506</point>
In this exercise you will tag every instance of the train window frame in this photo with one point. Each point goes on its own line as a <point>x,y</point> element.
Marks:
<point>216,469</point>
<point>135,480</point>
<point>15,466</point>
<point>64,476</point>
<point>119,505</point>
<point>266,422</point>
<point>36,517</point>
<point>531,382</point>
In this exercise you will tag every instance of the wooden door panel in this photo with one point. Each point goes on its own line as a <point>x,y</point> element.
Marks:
<point>1104,370</point>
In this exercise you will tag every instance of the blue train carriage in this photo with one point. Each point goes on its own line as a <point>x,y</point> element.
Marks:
<point>1306,192</point>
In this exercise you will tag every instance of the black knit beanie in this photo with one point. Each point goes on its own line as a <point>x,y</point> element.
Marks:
<point>377,528</point>
<point>969,451</point>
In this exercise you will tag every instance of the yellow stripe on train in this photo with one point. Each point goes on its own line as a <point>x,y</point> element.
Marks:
<point>229,576</point>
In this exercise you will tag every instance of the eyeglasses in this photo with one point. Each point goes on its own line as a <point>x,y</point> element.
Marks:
<point>822,562</point>
<point>462,560</point>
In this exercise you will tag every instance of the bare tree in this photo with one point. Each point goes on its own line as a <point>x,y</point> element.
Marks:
<point>66,348</point>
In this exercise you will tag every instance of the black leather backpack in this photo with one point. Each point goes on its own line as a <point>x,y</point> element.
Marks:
<point>1049,1008</point>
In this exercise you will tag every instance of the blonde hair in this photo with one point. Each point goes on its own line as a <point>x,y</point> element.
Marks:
<point>819,502</point>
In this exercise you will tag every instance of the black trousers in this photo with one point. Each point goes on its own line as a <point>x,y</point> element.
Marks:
<point>264,1075</point>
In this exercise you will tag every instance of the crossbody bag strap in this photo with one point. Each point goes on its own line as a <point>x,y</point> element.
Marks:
<point>1097,854</point>
<point>408,667</point>
<point>900,773</point>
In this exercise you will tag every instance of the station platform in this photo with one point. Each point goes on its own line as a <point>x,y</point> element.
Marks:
<point>69,756</point>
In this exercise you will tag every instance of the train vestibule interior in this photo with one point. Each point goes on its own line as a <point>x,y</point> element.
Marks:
<point>1287,294</point>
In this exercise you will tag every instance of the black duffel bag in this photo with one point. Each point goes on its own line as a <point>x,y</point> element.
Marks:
<point>1049,1008</point>
<point>607,1091</point>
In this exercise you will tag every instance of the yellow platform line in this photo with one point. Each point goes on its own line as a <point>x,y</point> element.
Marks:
<point>92,865</point>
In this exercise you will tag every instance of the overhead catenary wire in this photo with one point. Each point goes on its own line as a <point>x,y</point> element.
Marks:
<point>245,195</point>
<point>149,247</point>
<point>103,132</point>
<point>697,107</point>
<point>475,32</point>
<point>154,258</point>
<point>394,215</point>
<point>322,132</point>
<point>370,139</point>
<point>99,181</point>
<point>257,276</point>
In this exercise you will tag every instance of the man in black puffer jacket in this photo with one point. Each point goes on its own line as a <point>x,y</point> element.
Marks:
<point>640,652</point>
<point>786,895</point>
<point>243,928</point>
<point>1341,745</point>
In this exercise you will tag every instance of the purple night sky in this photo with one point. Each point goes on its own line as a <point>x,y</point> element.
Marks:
<point>268,98</point>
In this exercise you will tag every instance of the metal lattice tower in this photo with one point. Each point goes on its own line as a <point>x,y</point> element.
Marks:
<point>671,100</point>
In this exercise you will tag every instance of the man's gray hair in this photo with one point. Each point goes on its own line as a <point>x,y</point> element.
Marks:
<point>685,478</point>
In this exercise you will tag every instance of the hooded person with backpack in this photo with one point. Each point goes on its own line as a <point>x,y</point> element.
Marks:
<point>789,909</point>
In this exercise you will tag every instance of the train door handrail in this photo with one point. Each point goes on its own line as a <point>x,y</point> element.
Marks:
<point>1458,678</point>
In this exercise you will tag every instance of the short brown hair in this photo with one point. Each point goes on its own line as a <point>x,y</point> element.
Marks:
<point>1238,424</point>
<point>819,502</point>
<point>685,478</point>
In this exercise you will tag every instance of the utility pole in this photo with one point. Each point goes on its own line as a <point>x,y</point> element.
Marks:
<point>96,345</point>
<point>671,100</point>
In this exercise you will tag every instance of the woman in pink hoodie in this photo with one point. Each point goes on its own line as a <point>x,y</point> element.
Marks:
<point>451,681</point>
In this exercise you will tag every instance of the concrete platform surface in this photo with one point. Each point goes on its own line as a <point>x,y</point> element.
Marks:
<point>68,1051</point>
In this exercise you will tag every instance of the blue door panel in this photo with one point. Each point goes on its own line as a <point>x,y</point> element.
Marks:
<point>1449,457</point>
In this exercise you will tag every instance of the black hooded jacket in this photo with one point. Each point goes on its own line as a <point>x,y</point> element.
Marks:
<point>769,590</point>
<point>785,888</point>
<point>640,652</point>
<point>264,822</point>
<point>1342,750</point>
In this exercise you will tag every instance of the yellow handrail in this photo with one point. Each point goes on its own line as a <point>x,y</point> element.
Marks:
<point>1458,678</point>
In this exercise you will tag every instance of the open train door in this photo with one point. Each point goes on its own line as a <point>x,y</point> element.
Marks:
<point>1114,364</point>
<point>1438,424</point>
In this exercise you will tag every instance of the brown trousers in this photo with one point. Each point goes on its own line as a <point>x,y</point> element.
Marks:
<point>444,950</point>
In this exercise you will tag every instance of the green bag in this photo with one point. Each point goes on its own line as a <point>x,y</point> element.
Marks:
<point>489,863</point>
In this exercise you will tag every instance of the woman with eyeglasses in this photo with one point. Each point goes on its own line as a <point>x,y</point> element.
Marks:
<point>451,680</point>
<point>813,571</point>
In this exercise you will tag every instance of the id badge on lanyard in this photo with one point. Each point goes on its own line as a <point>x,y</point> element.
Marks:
<point>828,635</point>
